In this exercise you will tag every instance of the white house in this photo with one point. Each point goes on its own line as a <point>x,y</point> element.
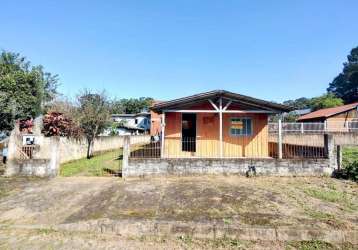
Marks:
<point>132,123</point>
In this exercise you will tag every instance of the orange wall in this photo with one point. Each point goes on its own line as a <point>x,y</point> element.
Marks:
<point>208,144</point>
<point>155,126</point>
<point>338,122</point>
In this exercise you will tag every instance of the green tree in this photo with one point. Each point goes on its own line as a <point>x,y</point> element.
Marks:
<point>24,89</point>
<point>93,116</point>
<point>345,85</point>
<point>325,101</point>
<point>130,106</point>
<point>300,103</point>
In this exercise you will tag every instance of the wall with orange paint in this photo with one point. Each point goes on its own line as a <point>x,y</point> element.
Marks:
<point>207,140</point>
<point>155,126</point>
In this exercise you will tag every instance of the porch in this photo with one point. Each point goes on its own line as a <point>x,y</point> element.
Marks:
<point>217,124</point>
<point>221,124</point>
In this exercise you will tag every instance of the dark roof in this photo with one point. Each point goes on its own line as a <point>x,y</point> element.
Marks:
<point>324,113</point>
<point>131,115</point>
<point>131,127</point>
<point>237,98</point>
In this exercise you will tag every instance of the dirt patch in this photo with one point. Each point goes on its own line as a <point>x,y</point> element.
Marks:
<point>261,201</point>
<point>12,185</point>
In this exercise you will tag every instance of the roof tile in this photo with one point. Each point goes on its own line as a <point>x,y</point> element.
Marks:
<point>324,113</point>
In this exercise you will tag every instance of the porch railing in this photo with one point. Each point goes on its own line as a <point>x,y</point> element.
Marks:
<point>294,146</point>
<point>315,127</point>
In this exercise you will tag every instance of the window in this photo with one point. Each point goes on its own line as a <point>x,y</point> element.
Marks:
<point>241,127</point>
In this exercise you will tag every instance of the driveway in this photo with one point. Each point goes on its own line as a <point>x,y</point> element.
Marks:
<point>264,202</point>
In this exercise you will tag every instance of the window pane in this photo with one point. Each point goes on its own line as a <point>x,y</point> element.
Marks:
<point>241,126</point>
<point>249,132</point>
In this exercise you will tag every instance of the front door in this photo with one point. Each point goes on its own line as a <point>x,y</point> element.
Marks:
<point>188,132</point>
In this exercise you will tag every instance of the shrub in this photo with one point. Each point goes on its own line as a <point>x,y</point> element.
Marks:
<point>352,170</point>
<point>57,124</point>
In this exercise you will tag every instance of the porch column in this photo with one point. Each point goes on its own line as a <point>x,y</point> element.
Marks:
<point>162,136</point>
<point>279,139</point>
<point>221,127</point>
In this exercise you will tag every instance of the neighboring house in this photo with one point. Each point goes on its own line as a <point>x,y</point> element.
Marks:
<point>342,118</point>
<point>132,123</point>
<point>300,111</point>
<point>215,124</point>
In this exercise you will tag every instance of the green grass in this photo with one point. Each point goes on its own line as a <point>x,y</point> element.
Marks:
<point>319,215</point>
<point>325,195</point>
<point>333,196</point>
<point>310,245</point>
<point>101,164</point>
<point>350,154</point>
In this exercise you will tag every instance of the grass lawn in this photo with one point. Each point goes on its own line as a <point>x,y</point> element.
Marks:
<point>101,164</point>
<point>350,154</point>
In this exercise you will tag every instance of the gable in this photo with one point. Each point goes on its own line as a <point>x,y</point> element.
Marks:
<point>236,101</point>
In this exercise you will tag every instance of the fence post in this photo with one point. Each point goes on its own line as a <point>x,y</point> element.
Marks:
<point>339,157</point>
<point>302,131</point>
<point>325,126</point>
<point>126,153</point>
<point>329,150</point>
<point>279,138</point>
<point>162,136</point>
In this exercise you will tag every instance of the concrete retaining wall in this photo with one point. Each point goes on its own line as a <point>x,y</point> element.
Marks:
<point>339,138</point>
<point>72,149</point>
<point>190,166</point>
<point>32,167</point>
<point>205,230</point>
<point>52,151</point>
<point>350,139</point>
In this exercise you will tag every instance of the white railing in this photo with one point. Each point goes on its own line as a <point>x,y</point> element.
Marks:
<point>315,127</point>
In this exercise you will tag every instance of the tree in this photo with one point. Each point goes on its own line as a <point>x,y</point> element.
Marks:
<point>326,101</point>
<point>300,103</point>
<point>93,116</point>
<point>24,89</point>
<point>131,106</point>
<point>345,85</point>
<point>64,106</point>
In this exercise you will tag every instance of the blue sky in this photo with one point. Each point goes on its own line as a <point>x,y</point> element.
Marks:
<point>275,50</point>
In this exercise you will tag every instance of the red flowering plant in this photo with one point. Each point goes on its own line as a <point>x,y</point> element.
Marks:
<point>57,124</point>
<point>26,125</point>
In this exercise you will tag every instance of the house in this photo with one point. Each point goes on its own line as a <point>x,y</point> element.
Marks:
<point>342,118</point>
<point>215,124</point>
<point>300,112</point>
<point>132,123</point>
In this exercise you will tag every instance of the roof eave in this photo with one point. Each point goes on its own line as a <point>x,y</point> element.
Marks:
<point>275,108</point>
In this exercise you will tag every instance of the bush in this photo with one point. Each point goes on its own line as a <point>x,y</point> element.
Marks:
<point>352,170</point>
<point>57,124</point>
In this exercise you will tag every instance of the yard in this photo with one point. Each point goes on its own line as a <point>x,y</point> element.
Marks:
<point>81,205</point>
<point>101,164</point>
<point>350,154</point>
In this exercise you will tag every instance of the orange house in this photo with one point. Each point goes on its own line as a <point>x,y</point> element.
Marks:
<point>214,124</point>
<point>338,119</point>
